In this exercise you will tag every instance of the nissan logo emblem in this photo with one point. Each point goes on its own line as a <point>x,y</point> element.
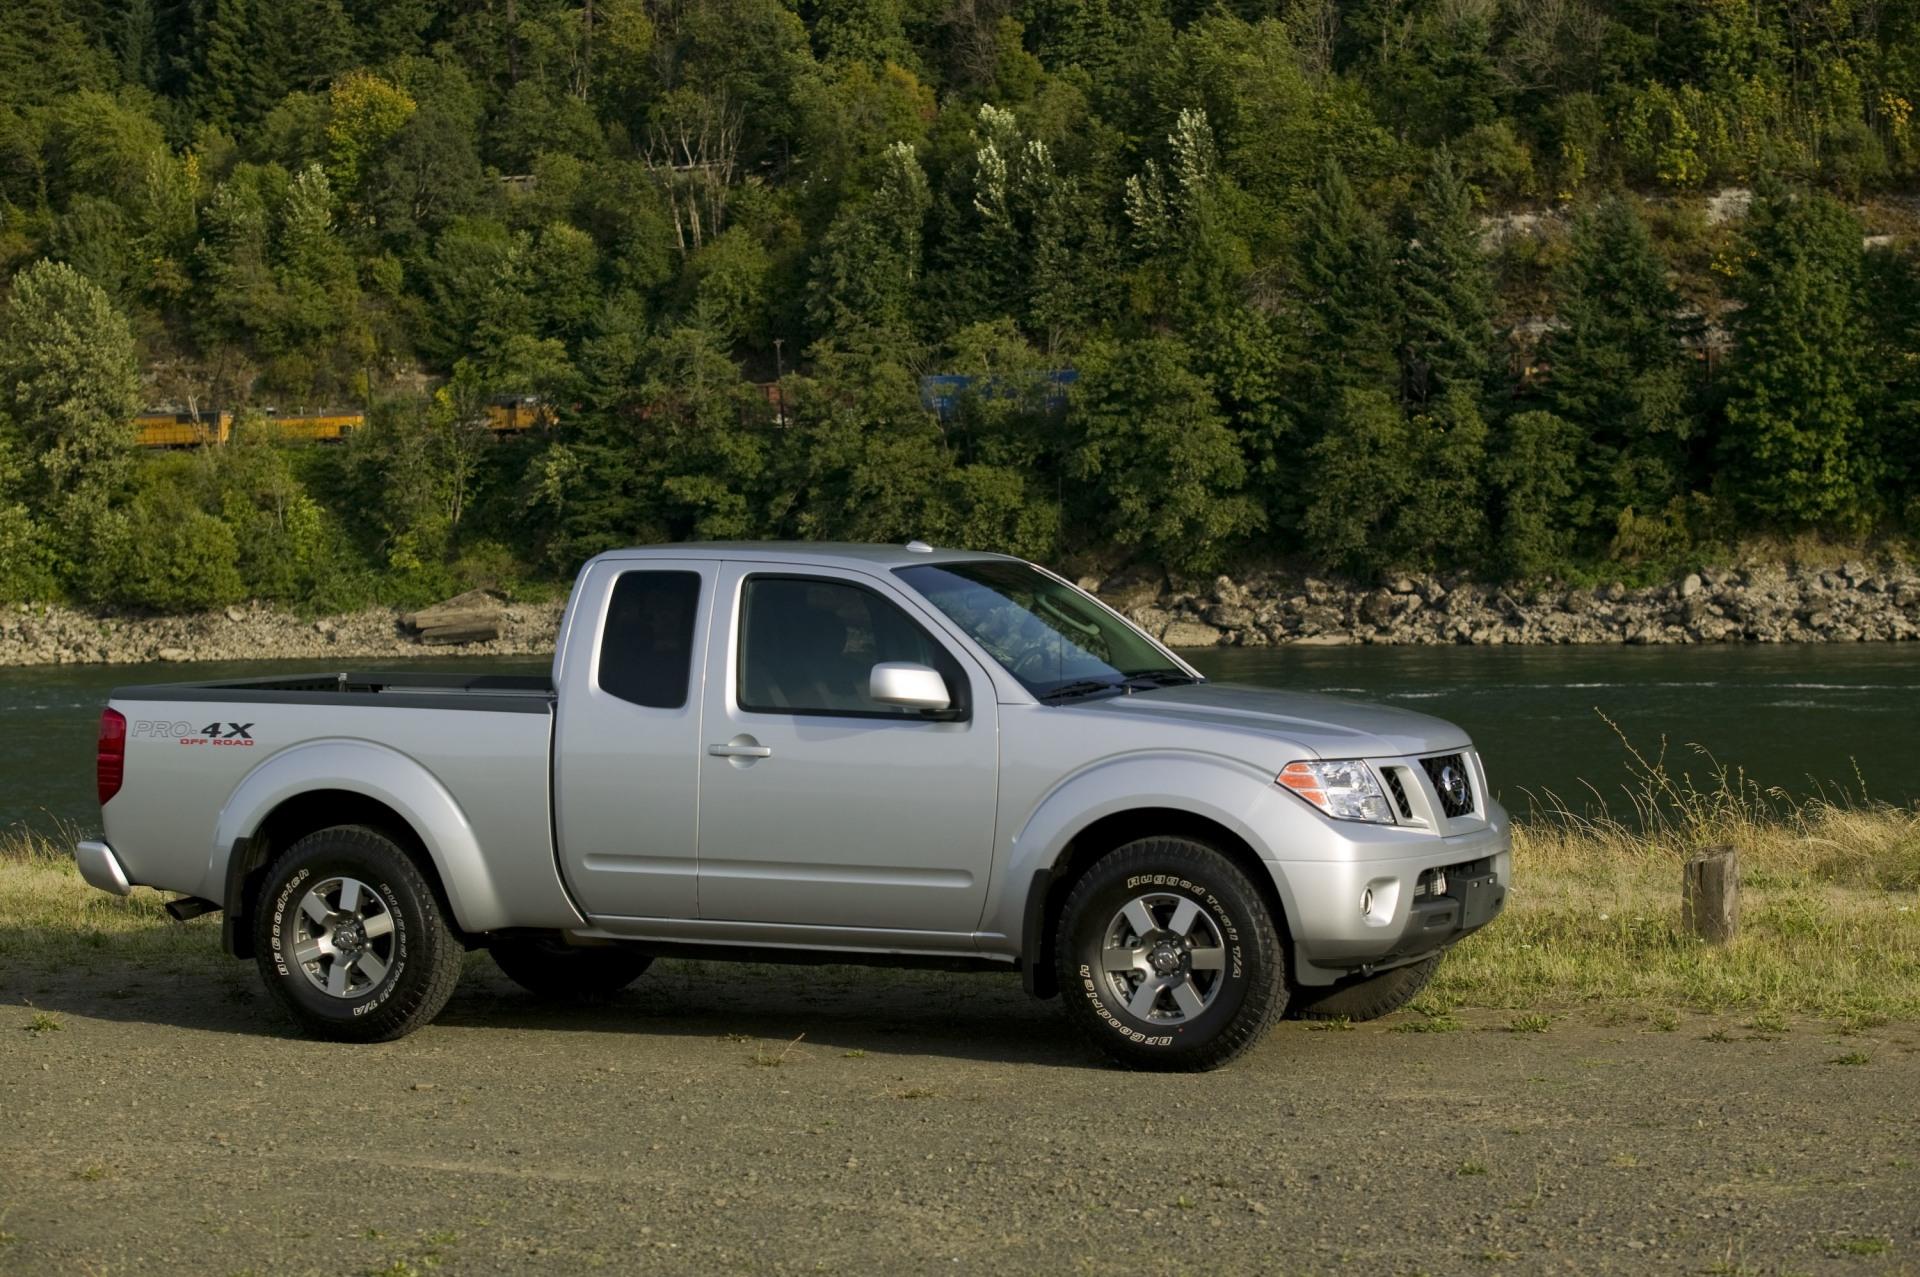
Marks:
<point>1453,785</point>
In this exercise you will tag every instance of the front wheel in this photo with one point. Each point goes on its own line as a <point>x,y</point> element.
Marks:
<point>351,939</point>
<point>552,968</point>
<point>1168,956</point>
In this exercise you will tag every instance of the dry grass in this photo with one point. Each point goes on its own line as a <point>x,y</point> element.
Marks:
<point>1830,902</point>
<point>49,917</point>
<point>1831,909</point>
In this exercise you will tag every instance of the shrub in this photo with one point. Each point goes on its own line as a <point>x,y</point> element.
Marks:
<point>172,556</point>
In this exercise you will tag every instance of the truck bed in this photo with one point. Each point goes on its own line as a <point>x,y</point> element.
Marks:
<point>207,761</point>
<point>511,693</point>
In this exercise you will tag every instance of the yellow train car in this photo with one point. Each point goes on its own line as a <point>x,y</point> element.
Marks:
<point>321,427</point>
<point>182,429</point>
<point>515,416</point>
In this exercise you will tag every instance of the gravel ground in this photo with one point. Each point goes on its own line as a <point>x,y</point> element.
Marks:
<point>924,1123</point>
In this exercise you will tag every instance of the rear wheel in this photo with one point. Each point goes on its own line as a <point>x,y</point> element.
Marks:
<point>1367,998</point>
<point>351,939</point>
<point>552,968</point>
<point>1168,957</point>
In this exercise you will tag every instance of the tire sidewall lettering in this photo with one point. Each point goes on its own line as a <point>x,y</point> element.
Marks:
<point>276,942</point>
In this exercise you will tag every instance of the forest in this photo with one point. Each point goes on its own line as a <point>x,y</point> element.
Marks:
<point>1529,288</point>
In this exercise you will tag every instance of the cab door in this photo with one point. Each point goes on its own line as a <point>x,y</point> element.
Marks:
<point>626,754</point>
<point>819,806</point>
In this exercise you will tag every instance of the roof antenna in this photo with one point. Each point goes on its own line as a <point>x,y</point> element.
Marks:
<point>919,547</point>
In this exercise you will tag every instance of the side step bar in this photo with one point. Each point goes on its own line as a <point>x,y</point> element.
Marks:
<point>188,907</point>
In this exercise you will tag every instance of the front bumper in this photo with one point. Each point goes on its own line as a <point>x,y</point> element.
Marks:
<point>101,868</point>
<point>1366,914</point>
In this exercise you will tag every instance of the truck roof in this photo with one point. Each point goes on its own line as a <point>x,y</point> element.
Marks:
<point>836,553</point>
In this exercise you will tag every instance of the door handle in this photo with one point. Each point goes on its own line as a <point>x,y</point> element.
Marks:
<point>739,751</point>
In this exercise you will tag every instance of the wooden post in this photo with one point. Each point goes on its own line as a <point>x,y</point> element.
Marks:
<point>1710,895</point>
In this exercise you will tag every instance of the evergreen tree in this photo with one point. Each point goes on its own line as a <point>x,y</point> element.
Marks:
<point>1540,509</point>
<point>1616,368</point>
<point>1362,471</point>
<point>227,83</point>
<point>1346,273</point>
<point>1446,516</point>
<point>1893,307</point>
<point>1447,290</point>
<point>1796,446</point>
<point>871,255</point>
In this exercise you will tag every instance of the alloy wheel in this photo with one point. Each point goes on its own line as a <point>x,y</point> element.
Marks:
<point>343,937</point>
<point>1163,958</point>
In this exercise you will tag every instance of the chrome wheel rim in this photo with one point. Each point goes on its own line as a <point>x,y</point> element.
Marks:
<point>1163,958</point>
<point>343,937</point>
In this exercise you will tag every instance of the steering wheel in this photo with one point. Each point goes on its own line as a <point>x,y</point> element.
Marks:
<point>1031,667</point>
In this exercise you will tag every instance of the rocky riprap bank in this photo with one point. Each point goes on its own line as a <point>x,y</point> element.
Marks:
<point>33,634</point>
<point>1855,602</point>
<point>1767,604</point>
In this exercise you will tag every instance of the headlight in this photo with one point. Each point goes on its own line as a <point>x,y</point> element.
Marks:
<point>1344,789</point>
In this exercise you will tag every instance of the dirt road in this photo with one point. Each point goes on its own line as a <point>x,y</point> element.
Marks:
<point>924,1123</point>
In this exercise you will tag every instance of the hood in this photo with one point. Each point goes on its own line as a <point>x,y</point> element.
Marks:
<point>1329,726</point>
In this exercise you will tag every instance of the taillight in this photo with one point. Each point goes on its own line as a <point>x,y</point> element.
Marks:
<point>110,763</point>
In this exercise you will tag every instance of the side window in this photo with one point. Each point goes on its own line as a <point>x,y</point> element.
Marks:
<point>646,650</point>
<point>808,645</point>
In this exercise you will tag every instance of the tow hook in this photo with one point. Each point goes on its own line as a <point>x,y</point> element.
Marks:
<point>187,907</point>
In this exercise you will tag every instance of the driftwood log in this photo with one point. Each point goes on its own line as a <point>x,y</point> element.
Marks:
<point>473,617</point>
<point>1710,895</point>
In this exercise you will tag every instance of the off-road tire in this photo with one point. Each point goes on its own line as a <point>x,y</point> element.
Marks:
<point>1367,998</point>
<point>549,967</point>
<point>1251,985</point>
<point>423,956</point>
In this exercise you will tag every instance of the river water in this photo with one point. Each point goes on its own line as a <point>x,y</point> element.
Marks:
<point>1792,716</point>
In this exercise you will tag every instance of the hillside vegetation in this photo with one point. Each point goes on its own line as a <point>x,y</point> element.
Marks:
<point>1229,281</point>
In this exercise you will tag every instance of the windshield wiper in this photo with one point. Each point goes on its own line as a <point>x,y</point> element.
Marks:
<point>1158,678</point>
<point>1081,687</point>
<point>1147,682</point>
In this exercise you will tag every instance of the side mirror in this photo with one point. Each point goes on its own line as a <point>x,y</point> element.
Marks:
<point>909,685</point>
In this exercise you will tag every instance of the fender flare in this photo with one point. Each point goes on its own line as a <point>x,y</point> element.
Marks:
<point>387,776</point>
<point>1224,791</point>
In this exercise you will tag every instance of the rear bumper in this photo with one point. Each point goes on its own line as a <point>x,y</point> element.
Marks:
<point>101,868</point>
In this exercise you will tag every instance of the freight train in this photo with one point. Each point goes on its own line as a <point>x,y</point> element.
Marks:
<point>211,429</point>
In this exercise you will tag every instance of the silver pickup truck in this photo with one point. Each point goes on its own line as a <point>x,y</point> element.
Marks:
<point>828,753</point>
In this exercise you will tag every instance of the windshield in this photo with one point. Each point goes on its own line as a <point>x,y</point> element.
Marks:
<point>1058,642</point>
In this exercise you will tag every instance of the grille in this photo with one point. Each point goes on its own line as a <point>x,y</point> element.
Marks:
<point>1398,790</point>
<point>1455,800</point>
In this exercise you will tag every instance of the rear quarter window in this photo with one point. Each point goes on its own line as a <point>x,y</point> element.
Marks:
<point>646,648</point>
